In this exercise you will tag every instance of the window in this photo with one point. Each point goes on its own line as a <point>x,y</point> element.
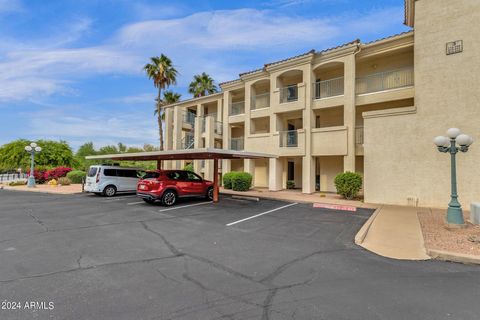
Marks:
<point>127,173</point>
<point>193,177</point>
<point>110,172</point>
<point>92,171</point>
<point>148,174</point>
<point>174,175</point>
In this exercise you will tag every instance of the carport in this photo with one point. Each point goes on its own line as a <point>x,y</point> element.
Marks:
<point>187,154</point>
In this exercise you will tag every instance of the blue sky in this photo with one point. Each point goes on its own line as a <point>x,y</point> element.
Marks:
<point>72,70</point>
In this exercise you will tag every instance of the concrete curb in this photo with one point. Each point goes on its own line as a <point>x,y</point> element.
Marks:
<point>453,256</point>
<point>250,198</point>
<point>362,233</point>
<point>38,191</point>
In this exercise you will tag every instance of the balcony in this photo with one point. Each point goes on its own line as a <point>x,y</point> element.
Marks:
<point>218,127</point>
<point>189,117</point>
<point>260,101</point>
<point>237,108</point>
<point>188,141</point>
<point>359,141</point>
<point>289,94</point>
<point>237,143</point>
<point>387,80</point>
<point>329,88</point>
<point>288,139</point>
<point>291,143</point>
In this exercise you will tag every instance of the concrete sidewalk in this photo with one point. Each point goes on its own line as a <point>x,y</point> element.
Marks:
<point>298,196</point>
<point>394,232</point>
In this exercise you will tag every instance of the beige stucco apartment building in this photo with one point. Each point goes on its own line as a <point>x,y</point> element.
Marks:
<point>370,107</point>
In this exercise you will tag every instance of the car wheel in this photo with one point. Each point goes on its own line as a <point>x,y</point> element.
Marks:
<point>209,195</point>
<point>150,201</point>
<point>109,191</point>
<point>169,198</point>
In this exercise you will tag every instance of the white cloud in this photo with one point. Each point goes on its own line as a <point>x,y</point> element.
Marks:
<point>244,29</point>
<point>204,41</point>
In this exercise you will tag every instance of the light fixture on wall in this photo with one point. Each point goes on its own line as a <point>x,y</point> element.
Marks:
<point>453,143</point>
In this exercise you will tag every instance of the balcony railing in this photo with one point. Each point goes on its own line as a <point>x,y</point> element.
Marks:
<point>359,135</point>
<point>188,141</point>
<point>289,138</point>
<point>237,143</point>
<point>329,88</point>
<point>260,101</point>
<point>237,108</point>
<point>189,117</point>
<point>387,80</point>
<point>289,94</point>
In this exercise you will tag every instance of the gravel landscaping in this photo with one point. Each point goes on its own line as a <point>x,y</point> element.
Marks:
<point>437,237</point>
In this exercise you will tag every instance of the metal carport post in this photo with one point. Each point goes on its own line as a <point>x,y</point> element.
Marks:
<point>187,154</point>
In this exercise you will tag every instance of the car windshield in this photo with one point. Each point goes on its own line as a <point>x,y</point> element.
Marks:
<point>92,172</point>
<point>148,174</point>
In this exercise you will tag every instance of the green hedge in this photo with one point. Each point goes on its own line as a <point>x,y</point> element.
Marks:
<point>189,167</point>
<point>76,176</point>
<point>241,181</point>
<point>227,179</point>
<point>348,184</point>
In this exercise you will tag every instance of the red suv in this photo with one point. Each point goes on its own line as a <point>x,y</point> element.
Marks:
<point>169,185</point>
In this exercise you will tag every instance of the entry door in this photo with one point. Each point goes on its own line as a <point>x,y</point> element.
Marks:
<point>291,170</point>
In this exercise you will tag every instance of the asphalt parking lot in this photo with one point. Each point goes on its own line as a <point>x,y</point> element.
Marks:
<point>118,258</point>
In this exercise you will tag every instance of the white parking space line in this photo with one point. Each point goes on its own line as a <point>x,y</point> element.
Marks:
<point>119,198</point>
<point>261,214</point>
<point>186,206</point>
<point>133,203</point>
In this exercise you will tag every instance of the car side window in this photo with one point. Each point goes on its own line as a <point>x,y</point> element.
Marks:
<point>110,172</point>
<point>193,177</point>
<point>173,175</point>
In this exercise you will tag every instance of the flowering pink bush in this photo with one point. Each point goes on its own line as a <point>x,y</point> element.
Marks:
<point>56,173</point>
<point>39,175</point>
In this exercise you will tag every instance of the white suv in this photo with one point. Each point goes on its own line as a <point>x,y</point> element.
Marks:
<point>108,180</point>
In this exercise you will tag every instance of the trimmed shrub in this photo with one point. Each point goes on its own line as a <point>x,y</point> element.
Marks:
<point>290,184</point>
<point>189,167</point>
<point>76,176</point>
<point>57,172</point>
<point>227,179</point>
<point>17,183</point>
<point>241,181</point>
<point>64,181</point>
<point>348,184</point>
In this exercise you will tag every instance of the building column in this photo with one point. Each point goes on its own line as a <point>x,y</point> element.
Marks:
<point>167,164</point>
<point>177,133</point>
<point>308,161</point>
<point>275,174</point>
<point>226,164</point>
<point>197,137</point>
<point>209,143</point>
<point>349,112</point>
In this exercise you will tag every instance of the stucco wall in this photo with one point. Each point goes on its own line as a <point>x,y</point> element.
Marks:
<point>328,168</point>
<point>400,158</point>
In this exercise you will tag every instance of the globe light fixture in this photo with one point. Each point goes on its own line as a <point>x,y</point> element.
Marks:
<point>32,149</point>
<point>455,142</point>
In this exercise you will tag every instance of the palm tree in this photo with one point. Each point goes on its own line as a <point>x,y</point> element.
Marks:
<point>169,97</point>
<point>202,85</point>
<point>161,71</point>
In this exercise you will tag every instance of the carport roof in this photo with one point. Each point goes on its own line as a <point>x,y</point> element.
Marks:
<point>186,154</point>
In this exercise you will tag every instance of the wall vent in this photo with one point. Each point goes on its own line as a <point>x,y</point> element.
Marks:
<point>412,201</point>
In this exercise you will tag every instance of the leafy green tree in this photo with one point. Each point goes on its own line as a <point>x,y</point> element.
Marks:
<point>163,73</point>
<point>53,154</point>
<point>86,149</point>
<point>202,85</point>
